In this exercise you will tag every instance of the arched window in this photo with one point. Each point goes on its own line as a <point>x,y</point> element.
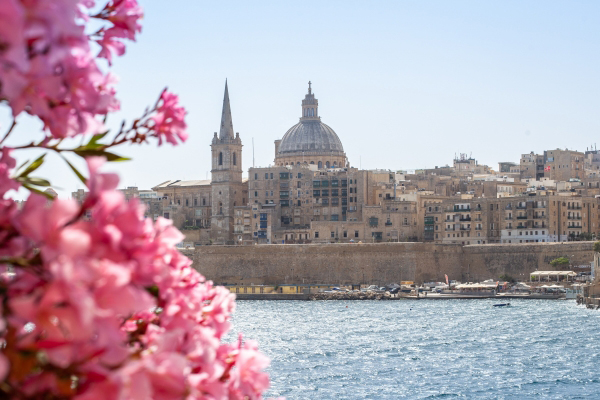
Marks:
<point>220,208</point>
<point>312,162</point>
<point>320,164</point>
<point>298,163</point>
<point>327,164</point>
<point>335,163</point>
<point>203,202</point>
<point>221,158</point>
<point>234,159</point>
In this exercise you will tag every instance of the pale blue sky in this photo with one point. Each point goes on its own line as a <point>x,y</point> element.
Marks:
<point>405,84</point>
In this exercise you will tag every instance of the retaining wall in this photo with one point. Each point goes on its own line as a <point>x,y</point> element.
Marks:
<point>380,263</point>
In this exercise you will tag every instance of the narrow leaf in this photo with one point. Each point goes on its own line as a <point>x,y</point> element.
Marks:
<point>34,190</point>
<point>38,181</point>
<point>79,174</point>
<point>34,165</point>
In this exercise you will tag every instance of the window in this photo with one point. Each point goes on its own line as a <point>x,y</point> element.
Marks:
<point>320,165</point>
<point>299,203</point>
<point>266,175</point>
<point>203,202</point>
<point>284,175</point>
<point>221,158</point>
<point>255,177</point>
<point>332,234</point>
<point>285,203</point>
<point>186,202</point>
<point>335,217</point>
<point>316,235</point>
<point>234,159</point>
<point>255,194</point>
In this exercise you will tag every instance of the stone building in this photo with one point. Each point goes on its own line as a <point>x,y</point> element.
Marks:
<point>313,195</point>
<point>563,165</point>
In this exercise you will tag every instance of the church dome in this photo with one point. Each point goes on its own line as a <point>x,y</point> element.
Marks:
<point>310,136</point>
<point>310,141</point>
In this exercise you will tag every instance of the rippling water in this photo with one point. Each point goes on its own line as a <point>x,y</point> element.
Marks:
<point>426,349</point>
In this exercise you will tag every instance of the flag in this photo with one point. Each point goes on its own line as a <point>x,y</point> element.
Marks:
<point>547,168</point>
<point>447,283</point>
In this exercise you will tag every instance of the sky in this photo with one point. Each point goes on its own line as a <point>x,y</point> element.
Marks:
<point>405,84</point>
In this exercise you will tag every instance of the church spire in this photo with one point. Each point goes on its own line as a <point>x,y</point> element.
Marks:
<point>226,131</point>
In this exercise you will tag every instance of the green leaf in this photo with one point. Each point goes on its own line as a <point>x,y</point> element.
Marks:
<point>93,143</point>
<point>34,190</point>
<point>21,166</point>
<point>38,181</point>
<point>79,174</point>
<point>34,165</point>
<point>92,152</point>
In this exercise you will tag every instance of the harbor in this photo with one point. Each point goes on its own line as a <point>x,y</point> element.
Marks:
<point>564,287</point>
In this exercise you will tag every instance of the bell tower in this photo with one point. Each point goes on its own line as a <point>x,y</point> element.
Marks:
<point>226,176</point>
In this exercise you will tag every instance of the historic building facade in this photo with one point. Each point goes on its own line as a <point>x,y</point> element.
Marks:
<point>313,195</point>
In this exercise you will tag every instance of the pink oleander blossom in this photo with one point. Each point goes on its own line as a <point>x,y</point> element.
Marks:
<point>169,123</point>
<point>112,301</point>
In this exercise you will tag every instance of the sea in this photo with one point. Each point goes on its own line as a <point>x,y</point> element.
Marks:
<point>426,349</point>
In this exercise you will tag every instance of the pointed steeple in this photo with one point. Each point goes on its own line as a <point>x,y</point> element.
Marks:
<point>226,131</point>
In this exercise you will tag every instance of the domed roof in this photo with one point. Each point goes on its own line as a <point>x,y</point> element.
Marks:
<point>310,136</point>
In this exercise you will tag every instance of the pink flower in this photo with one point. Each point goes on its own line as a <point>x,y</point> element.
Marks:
<point>168,123</point>
<point>7,163</point>
<point>248,380</point>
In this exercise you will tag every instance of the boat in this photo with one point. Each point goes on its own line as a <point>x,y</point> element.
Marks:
<point>501,304</point>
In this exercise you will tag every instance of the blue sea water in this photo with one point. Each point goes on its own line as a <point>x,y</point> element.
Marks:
<point>426,349</point>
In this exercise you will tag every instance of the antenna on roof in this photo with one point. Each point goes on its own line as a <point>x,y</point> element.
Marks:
<point>252,152</point>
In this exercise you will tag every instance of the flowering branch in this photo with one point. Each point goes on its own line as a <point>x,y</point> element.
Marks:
<point>95,300</point>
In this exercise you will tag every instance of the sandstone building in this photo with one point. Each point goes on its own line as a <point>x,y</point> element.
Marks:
<point>312,194</point>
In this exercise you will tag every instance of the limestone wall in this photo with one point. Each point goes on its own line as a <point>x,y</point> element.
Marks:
<point>379,263</point>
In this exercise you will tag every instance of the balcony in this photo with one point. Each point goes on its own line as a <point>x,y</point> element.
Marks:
<point>456,209</point>
<point>574,217</point>
<point>521,207</point>
<point>388,223</point>
<point>539,216</point>
<point>574,208</point>
<point>508,218</point>
<point>465,218</point>
<point>508,208</point>
<point>462,228</point>
<point>478,228</point>
<point>522,217</point>
<point>521,227</point>
<point>450,229</point>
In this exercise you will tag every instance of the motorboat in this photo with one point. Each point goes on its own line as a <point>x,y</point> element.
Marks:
<point>502,305</point>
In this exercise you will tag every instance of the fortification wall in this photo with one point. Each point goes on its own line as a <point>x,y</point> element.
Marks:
<point>379,263</point>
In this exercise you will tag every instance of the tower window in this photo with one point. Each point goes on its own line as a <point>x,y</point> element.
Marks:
<point>234,159</point>
<point>221,158</point>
